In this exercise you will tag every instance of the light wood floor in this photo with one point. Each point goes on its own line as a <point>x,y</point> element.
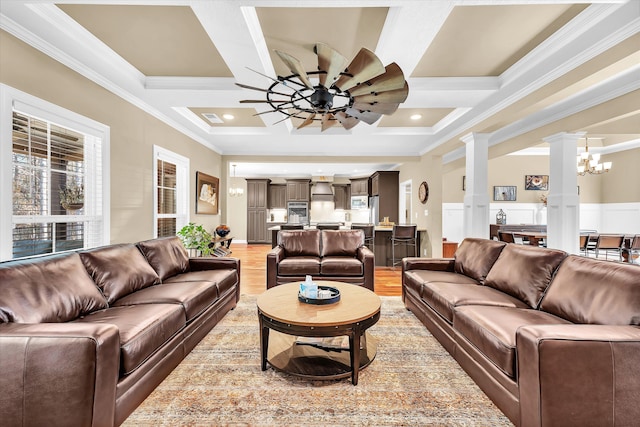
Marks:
<point>253,271</point>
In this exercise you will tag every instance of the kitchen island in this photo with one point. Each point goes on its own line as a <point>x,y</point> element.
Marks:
<point>382,248</point>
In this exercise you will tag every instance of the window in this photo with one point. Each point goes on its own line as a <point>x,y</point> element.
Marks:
<point>172,192</point>
<point>53,171</point>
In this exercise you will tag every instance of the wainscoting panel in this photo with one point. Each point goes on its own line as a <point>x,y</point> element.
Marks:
<point>604,218</point>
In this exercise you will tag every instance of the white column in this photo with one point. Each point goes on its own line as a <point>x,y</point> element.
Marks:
<point>476,199</point>
<point>563,202</point>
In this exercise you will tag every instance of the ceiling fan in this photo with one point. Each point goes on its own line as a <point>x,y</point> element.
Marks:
<point>345,93</point>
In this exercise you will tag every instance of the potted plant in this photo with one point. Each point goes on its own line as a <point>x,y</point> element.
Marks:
<point>196,239</point>
<point>72,197</point>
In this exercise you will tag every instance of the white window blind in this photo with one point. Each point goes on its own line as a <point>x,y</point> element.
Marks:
<point>57,187</point>
<point>172,192</point>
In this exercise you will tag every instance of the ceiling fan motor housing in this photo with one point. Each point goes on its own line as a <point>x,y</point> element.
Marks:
<point>321,98</point>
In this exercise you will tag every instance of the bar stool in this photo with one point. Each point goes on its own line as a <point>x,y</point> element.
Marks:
<point>328,226</point>
<point>369,234</point>
<point>406,235</point>
<point>292,227</point>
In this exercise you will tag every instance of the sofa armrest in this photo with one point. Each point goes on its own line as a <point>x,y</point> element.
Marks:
<point>578,375</point>
<point>366,256</point>
<point>58,371</point>
<point>274,256</point>
<point>434,264</point>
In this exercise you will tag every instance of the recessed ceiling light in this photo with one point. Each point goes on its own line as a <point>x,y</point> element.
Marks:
<point>416,116</point>
<point>228,116</point>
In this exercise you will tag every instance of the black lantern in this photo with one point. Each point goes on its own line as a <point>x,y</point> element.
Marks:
<point>501,217</point>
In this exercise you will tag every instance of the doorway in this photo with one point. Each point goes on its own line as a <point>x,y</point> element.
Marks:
<point>405,214</point>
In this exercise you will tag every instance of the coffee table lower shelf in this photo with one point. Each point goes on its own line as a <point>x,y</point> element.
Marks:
<point>315,363</point>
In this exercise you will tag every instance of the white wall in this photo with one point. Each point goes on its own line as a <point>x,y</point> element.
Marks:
<point>603,217</point>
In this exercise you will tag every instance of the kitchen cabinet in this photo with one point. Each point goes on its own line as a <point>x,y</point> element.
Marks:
<point>342,196</point>
<point>360,187</point>
<point>298,190</point>
<point>385,184</point>
<point>257,205</point>
<point>277,196</point>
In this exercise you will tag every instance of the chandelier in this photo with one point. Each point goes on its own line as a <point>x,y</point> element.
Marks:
<point>347,92</point>
<point>589,163</point>
<point>235,191</point>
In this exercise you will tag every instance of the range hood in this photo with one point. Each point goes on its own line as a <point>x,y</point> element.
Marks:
<point>321,192</point>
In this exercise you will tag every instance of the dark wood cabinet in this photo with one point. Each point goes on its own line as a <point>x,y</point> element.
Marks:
<point>257,205</point>
<point>298,190</point>
<point>277,196</point>
<point>342,196</point>
<point>360,187</point>
<point>385,185</point>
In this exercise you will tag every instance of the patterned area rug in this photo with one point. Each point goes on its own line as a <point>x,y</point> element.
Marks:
<point>412,381</point>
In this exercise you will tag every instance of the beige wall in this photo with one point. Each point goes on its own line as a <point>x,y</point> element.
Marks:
<point>617,186</point>
<point>133,134</point>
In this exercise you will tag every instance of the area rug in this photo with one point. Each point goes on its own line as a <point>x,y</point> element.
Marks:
<point>412,381</point>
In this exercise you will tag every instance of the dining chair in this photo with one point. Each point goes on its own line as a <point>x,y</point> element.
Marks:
<point>405,235</point>
<point>506,237</point>
<point>634,250</point>
<point>584,242</point>
<point>369,234</point>
<point>609,243</point>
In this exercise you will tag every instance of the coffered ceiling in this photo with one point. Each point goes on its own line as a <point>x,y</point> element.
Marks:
<point>504,67</point>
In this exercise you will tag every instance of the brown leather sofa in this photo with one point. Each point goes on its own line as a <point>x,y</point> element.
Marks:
<point>86,336</point>
<point>338,255</point>
<point>552,339</point>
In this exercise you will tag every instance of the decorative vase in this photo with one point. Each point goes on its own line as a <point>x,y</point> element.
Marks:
<point>222,230</point>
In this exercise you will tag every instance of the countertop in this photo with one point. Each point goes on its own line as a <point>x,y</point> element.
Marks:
<point>381,228</point>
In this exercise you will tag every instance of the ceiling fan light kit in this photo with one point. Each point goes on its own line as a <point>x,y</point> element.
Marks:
<point>346,93</point>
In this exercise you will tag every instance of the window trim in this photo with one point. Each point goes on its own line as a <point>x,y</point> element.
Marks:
<point>182,187</point>
<point>11,98</point>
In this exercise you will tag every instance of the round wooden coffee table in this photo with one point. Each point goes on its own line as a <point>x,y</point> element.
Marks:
<point>279,310</point>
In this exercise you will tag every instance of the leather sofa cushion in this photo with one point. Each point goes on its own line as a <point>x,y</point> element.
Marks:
<point>300,243</point>
<point>341,242</point>
<point>524,271</point>
<point>119,270</point>
<point>300,265</point>
<point>166,255</point>
<point>194,297</point>
<point>587,290</point>
<point>143,329</point>
<point>475,257</point>
<point>445,297</point>
<point>224,279</point>
<point>47,290</point>
<point>424,276</point>
<point>492,330</point>
<point>341,266</point>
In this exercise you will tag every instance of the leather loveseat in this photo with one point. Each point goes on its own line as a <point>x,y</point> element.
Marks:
<point>86,336</point>
<point>552,339</point>
<point>338,255</point>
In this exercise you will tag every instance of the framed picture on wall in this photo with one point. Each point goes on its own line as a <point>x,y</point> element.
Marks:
<point>207,194</point>
<point>536,182</point>
<point>504,193</point>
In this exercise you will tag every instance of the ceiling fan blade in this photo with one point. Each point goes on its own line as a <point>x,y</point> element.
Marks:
<point>389,97</point>
<point>296,67</point>
<point>261,89</point>
<point>307,121</point>
<point>376,108</point>
<point>392,79</point>
<point>366,116</point>
<point>346,122</point>
<point>363,67</point>
<point>331,61</point>
<point>328,120</point>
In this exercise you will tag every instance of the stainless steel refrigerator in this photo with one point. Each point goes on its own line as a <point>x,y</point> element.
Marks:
<point>374,210</point>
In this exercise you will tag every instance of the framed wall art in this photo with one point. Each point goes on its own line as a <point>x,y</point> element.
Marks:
<point>504,193</point>
<point>207,194</point>
<point>536,182</point>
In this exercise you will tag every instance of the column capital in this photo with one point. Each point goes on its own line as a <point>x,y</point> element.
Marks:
<point>564,136</point>
<point>475,136</point>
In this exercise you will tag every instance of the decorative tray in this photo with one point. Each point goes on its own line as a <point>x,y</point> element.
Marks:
<point>335,296</point>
